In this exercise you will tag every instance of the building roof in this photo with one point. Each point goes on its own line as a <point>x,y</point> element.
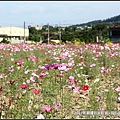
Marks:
<point>114,27</point>
<point>13,27</point>
<point>3,35</point>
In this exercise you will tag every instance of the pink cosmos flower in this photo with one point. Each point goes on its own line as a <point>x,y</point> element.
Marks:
<point>36,91</point>
<point>11,69</point>
<point>27,71</point>
<point>72,79</point>
<point>101,109</point>
<point>57,106</point>
<point>34,74</point>
<point>28,58</point>
<point>21,61</point>
<point>32,78</point>
<point>19,64</point>
<point>40,116</point>
<point>76,89</point>
<point>47,108</point>
<point>70,64</point>
<point>23,86</point>
<point>98,98</point>
<point>118,89</point>
<point>69,86</point>
<point>1,76</point>
<point>34,58</point>
<point>67,69</point>
<point>62,68</point>
<point>61,57</point>
<point>28,81</point>
<point>24,91</point>
<point>93,65</point>
<point>12,59</point>
<point>41,67</point>
<point>10,82</point>
<point>78,84</point>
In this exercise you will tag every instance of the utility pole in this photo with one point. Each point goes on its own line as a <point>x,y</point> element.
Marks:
<point>59,32</point>
<point>10,34</point>
<point>100,34</point>
<point>24,31</point>
<point>48,34</point>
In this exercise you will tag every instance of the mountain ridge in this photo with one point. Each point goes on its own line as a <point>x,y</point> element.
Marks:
<point>115,20</point>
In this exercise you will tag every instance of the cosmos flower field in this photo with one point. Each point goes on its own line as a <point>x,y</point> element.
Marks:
<point>54,81</point>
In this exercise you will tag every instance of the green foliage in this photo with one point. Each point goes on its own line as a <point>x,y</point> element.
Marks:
<point>76,40</point>
<point>34,34</point>
<point>107,40</point>
<point>70,33</point>
<point>5,40</point>
<point>98,28</point>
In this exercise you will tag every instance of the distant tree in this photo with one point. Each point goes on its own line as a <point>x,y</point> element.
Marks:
<point>34,34</point>
<point>5,40</point>
<point>33,30</point>
<point>69,33</point>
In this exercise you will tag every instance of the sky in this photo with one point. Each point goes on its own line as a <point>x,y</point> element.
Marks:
<point>64,13</point>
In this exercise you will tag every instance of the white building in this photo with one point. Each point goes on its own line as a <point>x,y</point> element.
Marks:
<point>38,27</point>
<point>14,33</point>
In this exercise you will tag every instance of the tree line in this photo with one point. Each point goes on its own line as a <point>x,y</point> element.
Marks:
<point>70,33</point>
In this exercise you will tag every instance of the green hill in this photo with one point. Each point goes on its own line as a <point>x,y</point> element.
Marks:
<point>109,21</point>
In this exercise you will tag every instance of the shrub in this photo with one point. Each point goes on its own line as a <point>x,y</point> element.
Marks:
<point>79,43</point>
<point>5,40</point>
<point>110,43</point>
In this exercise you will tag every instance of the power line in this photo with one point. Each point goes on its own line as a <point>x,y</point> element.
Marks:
<point>61,24</point>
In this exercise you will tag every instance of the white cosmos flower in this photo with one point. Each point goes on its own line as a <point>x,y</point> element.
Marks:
<point>81,68</point>
<point>113,65</point>
<point>119,98</point>
<point>78,75</point>
<point>96,80</point>
<point>40,116</point>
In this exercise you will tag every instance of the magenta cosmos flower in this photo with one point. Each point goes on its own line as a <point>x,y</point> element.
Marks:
<point>36,91</point>
<point>10,82</point>
<point>47,108</point>
<point>23,86</point>
<point>0,89</point>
